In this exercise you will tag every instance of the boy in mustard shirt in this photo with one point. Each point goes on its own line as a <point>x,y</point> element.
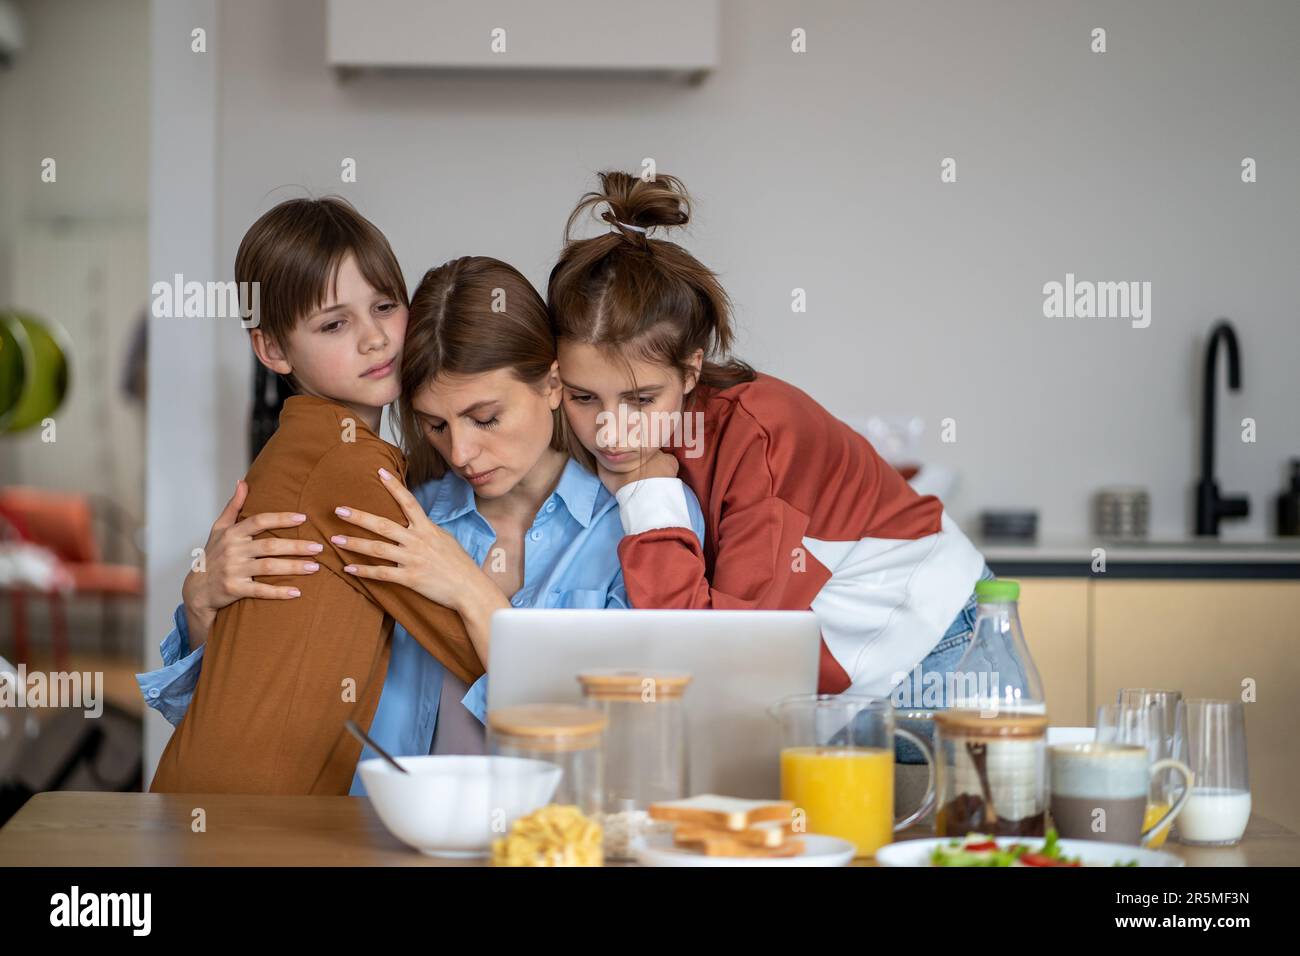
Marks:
<point>280,678</point>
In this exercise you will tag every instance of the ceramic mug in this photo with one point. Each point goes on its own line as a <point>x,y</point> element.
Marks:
<point>1099,792</point>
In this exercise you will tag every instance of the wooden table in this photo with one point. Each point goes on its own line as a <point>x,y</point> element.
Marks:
<point>66,828</point>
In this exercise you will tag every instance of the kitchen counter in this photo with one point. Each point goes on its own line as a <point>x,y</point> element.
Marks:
<point>72,829</point>
<point>1187,557</point>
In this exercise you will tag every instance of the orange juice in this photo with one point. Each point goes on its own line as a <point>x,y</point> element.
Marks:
<point>847,792</point>
<point>1154,812</point>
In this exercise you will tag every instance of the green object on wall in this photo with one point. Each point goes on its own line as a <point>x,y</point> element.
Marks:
<point>12,370</point>
<point>34,370</point>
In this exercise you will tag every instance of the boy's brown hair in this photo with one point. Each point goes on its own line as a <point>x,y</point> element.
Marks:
<point>293,253</point>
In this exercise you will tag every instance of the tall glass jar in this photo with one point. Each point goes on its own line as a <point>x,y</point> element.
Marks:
<point>992,773</point>
<point>570,738</point>
<point>646,757</point>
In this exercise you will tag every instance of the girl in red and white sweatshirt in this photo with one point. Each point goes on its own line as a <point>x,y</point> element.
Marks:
<point>800,511</point>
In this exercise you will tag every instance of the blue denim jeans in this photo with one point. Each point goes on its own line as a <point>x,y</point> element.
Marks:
<point>942,660</point>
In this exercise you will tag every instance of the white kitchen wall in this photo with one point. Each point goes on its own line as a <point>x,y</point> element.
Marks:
<point>73,250</point>
<point>191,471</point>
<point>821,171</point>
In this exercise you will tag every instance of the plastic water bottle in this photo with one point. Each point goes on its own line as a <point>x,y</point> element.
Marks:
<point>997,672</point>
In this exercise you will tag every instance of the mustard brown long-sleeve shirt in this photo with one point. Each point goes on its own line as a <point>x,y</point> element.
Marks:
<point>280,678</point>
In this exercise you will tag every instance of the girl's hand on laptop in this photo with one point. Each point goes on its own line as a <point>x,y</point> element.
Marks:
<point>232,558</point>
<point>658,464</point>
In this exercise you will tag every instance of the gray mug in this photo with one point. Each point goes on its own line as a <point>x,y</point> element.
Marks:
<point>1100,791</point>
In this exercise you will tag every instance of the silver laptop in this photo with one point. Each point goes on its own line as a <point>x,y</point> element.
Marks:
<point>740,662</point>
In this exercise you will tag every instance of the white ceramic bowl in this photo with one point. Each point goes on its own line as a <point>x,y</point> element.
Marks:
<point>445,805</point>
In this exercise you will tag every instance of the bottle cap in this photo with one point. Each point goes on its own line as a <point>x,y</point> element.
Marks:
<point>996,590</point>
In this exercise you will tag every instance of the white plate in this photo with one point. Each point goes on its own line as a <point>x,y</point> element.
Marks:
<point>658,850</point>
<point>1090,852</point>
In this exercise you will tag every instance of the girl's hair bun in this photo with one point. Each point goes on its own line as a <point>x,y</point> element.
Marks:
<point>633,201</point>
<point>624,289</point>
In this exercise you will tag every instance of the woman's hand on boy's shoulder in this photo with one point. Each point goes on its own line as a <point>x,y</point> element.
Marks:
<point>657,464</point>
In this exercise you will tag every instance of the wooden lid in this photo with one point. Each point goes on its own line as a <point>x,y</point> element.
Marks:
<point>546,720</point>
<point>648,687</point>
<point>969,723</point>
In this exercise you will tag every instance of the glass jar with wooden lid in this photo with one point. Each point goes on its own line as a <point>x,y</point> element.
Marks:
<point>992,773</point>
<point>645,747</point>
<point>568,737</point>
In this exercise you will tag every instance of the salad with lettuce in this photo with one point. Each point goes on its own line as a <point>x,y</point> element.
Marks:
<point>978,849</point>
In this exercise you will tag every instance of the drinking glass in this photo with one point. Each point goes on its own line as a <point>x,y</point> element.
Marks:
<point>1163,702</point>
<point>837,767</point>
<point>1212,742</point>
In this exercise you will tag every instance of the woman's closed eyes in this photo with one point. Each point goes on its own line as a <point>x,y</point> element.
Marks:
<point>492,422</point>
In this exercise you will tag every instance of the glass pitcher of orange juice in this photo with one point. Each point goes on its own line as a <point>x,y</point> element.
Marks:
<point>837,767</point>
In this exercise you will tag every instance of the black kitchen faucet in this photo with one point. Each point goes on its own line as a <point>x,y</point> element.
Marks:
<point>1211,507</point>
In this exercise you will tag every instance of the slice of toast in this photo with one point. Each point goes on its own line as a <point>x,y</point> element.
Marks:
<point>721,813</point>
<point>791,847</point>
<point>771,834</point>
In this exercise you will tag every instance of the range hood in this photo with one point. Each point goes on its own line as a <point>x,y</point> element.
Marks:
<point>669,36</point>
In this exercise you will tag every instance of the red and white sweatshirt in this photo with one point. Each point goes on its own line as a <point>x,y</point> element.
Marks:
<point>800,513</point>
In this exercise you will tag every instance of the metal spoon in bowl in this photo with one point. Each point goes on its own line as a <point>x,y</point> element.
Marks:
<point>366,739</point>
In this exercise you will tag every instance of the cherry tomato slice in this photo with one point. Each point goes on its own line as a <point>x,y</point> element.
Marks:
<point>1037,859</point>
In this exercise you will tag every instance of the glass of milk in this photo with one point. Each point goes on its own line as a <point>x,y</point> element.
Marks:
<point>1212,743</point>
